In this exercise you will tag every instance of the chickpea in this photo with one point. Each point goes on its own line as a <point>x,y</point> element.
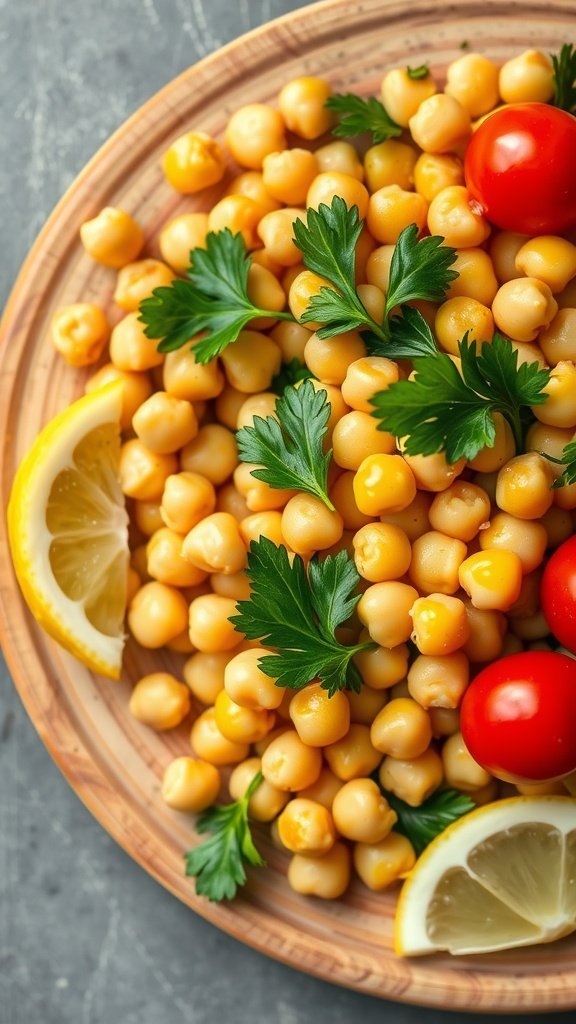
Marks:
<point>204,674</point>
<point>380,864</point>
<point>433,472</point>
<point>235,584</point>
<point>130,349</point>
<point>288,175</point>
<point>523,307</point>
<point>187,498</point>
<point>251,185</point>
<point>365,704</point>
<point>460,768</point>
<point>136,388</point>
<point>356,436</point>
<point>193,162</point>
<point>342,497</point>
<point>526,538</point>
<point>183,377</point>
<point>559,409</point>
<point>302,102</point>
<point>413,520</point>
<point>548,258</point>
<point>289,764</point>
<point>492,578</point>
<point>353,756</point>
<point>566,299</point>
<point>319,719</point>
<point>382,667</point>
<point>262,404</point>
<point>215,545</point>
<point>266,801</point>
<point>160,701</point>
<point>504,247</point>
<point>558,339</point>
<point>164,423</point>
<point>180,237</point>
<point>524,486</point>
<point>330,358</point>
<point>143,473</point>
<point>473,81</point>
<point>325,877</point>
<point>383,484</point>
<point>112,237</point>
<point>230,500</point>
<point>445,722</point>
<point>276,229</point>
<point>252,361</point>
<point>361,812</point>
<point>402,95</point>
<point>452,215</point>
<point>487,632</point>
<point>241,725</point>
<point>80,333</point>
<point>262,524</point>
<point>209,744</point>
<point>558,525</point>
<point>412,780</point>
<point>390,163</point>
<point>308,525</point>
<point>190,785</point>
<point>340,156</point>
<point>240,215</point>
<point>253,132</point>
<point>364,378</point>
<point>402,729</point>
<point>304,286</point>
<point>136,281</point>
<point>438,681</point>
<point>266,292</point>
<point>459,316</point>
<point>381,552</point>
<point>329,184</point>
<point>248,685</point>
<point>385,609</point>
<point>165,561</point>
<point>436,559</point>
<point>440,124</point>
<point>291,339</point>
<point>210,626</point>
<point>440,624</point>
<point>213,453</point>
<point>476,278</point>
<point>378,266</point>
<point>527,78</point>
<point>323,790</point>
<point>157,614</point>
<point>460,511</point>
<point>391,209</point>
<point>491,459</point>
<point>306,827</point>
<point>259,496</point>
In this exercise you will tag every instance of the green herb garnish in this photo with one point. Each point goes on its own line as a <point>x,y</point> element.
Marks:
<point>410,337</point>
<point>289,448</point>
<point>564,64</point>
<point>360,115</point>
<point>218,864</point>
<point>420,269</point>
<point>297,613</point>
<point>290,373</point>
<point>213,301</point>
<point>441,410</point>
<point>422,71</point>
<point>568,460</point>
<point>422,824</point>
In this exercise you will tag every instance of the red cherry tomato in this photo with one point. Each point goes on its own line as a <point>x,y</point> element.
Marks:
<point>558,594</point>
<point>520,169</point>
<point>518,716</point>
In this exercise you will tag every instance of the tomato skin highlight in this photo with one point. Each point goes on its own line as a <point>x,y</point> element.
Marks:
<point>519,168</point>
<point>558,594</point>
<point>518,717</point>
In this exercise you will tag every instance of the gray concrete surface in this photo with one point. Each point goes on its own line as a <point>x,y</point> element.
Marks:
<point>86,937</point>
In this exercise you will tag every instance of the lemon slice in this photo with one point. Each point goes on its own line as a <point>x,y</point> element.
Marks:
<point>500,877</point>
<point>68,530</point>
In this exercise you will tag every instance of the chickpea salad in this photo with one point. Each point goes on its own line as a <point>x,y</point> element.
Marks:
<point>340,417</point>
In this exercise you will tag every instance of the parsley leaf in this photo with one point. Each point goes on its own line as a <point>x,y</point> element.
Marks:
<point>218,864</point>
<point>441,410</point>
<point>213,301</point>
<point>564,64</point>
<point>422,71</point>
<point>568,460</point>
<point>419,269</point>
<point>360,115</point>
<point>410,337</point>
<point>422,824</point>
<point>289,448</point>
<point>297,614</point>
<point>290,373</point>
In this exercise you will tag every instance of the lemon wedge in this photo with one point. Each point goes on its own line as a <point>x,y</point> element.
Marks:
<point>500,877</point>
<point>68,531</point>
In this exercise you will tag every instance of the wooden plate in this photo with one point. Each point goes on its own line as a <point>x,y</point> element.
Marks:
<point>113,763</point>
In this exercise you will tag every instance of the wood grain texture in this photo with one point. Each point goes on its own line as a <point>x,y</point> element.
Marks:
<point>115,764</point>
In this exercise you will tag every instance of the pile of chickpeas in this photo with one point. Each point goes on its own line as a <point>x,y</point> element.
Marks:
<point>449,556</point>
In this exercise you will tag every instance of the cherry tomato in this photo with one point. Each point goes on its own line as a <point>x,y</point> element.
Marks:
<point>518,716</point>
<point>558,594</point>
<point>519,168</point>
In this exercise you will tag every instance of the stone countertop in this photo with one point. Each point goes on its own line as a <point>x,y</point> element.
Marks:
<point>86,937</point>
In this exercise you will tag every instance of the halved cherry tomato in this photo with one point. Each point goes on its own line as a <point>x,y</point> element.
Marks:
<point>520,169</point>
<point>558,594</point>
<point>518,716</point>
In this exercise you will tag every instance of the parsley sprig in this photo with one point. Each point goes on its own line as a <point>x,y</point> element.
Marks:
<point>420,269</point>
<point>219,863</point>
<point>564,65</point>
<point>568,461</point>
<point>289,374</point>
<point>297,613</point>
<point>422,824</point>
<point>362,115</point>
<point>212,302</point>
<point>441,410</point>
<point>288,446</point>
